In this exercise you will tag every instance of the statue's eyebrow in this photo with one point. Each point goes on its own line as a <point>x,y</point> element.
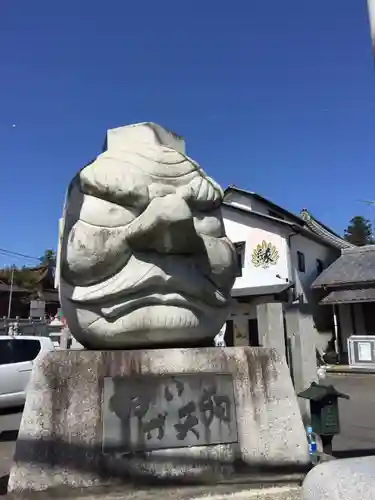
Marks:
<point>124,200</point>
<point>134,196</point>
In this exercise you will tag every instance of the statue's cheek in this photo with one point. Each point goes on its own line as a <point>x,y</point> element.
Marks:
<point>221,258</point>
<point>91,254</point>
<point>94,244</point>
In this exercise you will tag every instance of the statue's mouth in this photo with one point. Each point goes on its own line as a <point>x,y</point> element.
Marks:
<point>139,301</point>
<point>166,280</point>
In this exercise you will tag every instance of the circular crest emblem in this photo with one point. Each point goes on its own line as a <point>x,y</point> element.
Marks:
<point>264,255</point>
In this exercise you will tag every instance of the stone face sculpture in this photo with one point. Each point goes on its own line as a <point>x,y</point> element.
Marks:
<point>143,258</point>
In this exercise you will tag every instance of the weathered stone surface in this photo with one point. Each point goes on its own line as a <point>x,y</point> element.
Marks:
<point>301,340</point>
<point>349,479</point>
<point>61,434</point>
<point>143,258</point>
<point>180,410</point>
<point>219,492</point>
<point>271,326</point>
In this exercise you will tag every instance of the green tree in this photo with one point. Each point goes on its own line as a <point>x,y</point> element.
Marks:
<point>359,231</point>
<point>23,277</point>
<point>29,278</point>
<point>48,258</point>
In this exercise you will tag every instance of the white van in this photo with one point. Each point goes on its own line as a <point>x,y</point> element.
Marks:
<point>17,354</point>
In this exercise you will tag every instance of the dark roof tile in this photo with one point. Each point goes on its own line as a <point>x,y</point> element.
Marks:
<point>354,266</point>
<point>349,296</point>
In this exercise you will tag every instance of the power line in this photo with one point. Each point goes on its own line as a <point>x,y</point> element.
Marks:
<point>9,253</point>
<point>368,202</point>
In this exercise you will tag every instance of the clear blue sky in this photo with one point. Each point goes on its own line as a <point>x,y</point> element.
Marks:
<point>275,96</point>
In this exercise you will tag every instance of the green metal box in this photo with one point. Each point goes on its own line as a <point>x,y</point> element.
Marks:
<point>324,408</point>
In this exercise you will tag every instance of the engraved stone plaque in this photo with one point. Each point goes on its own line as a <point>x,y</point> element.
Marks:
<point>155,412</point>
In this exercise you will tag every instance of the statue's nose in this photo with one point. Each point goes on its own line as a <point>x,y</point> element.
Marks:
<point>166,226</point>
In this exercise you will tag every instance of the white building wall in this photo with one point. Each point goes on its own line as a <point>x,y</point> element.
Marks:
<point>252,230</point>
<point>243,227</point>
<point>246,202</point>
<point>312,251</point>
<point>263,208</point>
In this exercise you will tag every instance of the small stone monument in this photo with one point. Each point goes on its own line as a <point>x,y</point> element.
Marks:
<point>145,273</point>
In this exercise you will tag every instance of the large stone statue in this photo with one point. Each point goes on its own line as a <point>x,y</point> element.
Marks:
<point>143,257</point>
<point>144,265</point>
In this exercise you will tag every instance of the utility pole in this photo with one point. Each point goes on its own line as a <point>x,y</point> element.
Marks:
<point>11,292</point>
<point>371,15</point>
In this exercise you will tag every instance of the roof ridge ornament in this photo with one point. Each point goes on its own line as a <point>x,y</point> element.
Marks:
<point>323,231</point>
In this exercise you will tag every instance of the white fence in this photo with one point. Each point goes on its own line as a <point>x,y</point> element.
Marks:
<point>38,327</point>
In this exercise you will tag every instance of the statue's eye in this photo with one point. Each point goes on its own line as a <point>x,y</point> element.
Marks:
<point>99,212</point>
<point>115,181</point>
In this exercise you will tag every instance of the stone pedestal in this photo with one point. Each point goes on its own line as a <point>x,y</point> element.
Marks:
<point>94,418</point>
<point>271,329</point>
<point>196,492</point>
<point>301,338</point>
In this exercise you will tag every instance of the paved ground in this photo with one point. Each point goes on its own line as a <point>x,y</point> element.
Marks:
<point>9,424</point>
<point>356,415</point>
<point>357,422</point>
<point>8,433</point>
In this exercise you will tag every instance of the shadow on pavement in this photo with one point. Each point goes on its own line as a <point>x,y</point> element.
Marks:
<point>4,484</point>
<point>11,411</point>
<point>354,453</point>
<point>6,436</point>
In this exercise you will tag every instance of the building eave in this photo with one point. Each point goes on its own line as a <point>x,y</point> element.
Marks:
<point>281,222</point>
<point>344,285</point>
<point>323,231</point>
<point>258,197</point>
<point>349,295</point>
<point>306,222</point>
<point>254,291</point>
<point>295,228</point>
